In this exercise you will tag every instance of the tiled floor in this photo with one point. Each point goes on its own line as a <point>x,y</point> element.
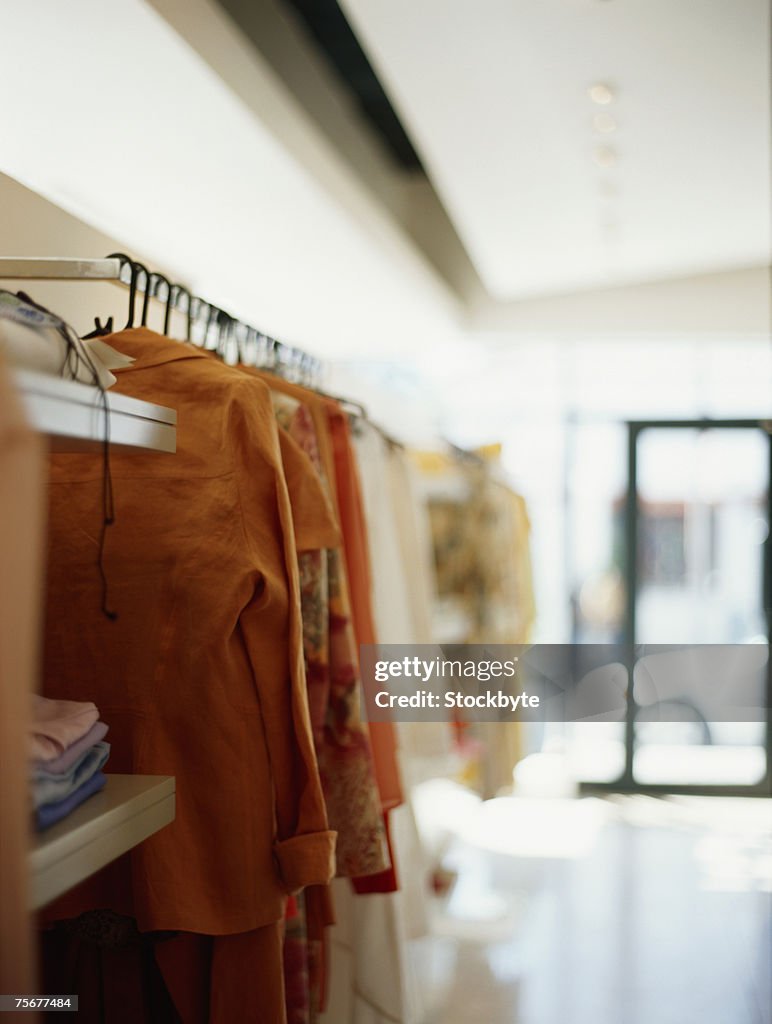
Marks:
<point>632,911</point>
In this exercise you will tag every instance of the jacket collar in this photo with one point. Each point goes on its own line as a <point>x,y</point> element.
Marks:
<point>148,348</point>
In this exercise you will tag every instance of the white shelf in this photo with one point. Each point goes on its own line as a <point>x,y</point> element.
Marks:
<point>71,415</point>
<point>55,269</point>
<point>128,810</point>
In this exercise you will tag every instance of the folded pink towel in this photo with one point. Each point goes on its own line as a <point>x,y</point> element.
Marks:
<point>73,752</point>
<point>57,724</point>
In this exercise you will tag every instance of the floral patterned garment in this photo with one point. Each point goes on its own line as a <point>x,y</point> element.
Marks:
<point>297,983</point>
<point>340,738</point>
<point>343,748</point>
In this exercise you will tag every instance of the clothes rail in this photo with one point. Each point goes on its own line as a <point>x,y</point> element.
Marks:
<point>207,325</point>
<point>465,455</point>
<point>54,269</point>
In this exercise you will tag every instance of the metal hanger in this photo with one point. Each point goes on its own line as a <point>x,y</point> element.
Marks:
<point>177,290</point>
<point>141,268</point>
<point>158,280</point>
<point>126,261</point>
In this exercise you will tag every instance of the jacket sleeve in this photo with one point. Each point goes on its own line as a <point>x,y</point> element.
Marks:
<point>304,847</point>
<point>315,524</point>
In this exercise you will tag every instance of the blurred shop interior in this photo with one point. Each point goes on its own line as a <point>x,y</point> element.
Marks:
<point>516,257</point>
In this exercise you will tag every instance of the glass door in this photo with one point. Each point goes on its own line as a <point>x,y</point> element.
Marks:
<point>697,572</point>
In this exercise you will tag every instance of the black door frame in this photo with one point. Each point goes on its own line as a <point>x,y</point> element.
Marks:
<point>626,783</point>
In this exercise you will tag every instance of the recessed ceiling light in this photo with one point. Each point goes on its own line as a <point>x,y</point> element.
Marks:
<point>609,229</point>
<point>601,93</point>
<point>604,123</point>
<point>608,189</point>
<point>604,156</point>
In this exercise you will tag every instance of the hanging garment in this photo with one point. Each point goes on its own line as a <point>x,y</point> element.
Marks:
<point>373,979</point>
<point>131,977</point>
<point>111,966</point>
<point>328,420</point>
<point>357,555</point>
<point>320,918</point>
<point>426,748</point>
<point>510,617</point>
<point>225,979</point>
<point>371,970</point>
<point>520,527</point>
<point>313,564</point>
<point>480,534</point>
<point>404,587</point>
<point>316,530</point>
<point>415,543</point>
<point>314,521</point>
<point>341,741</point>
<point>201,675</point>
<point>344,754</point>
<point>392,580</point>
<point>295,957</point>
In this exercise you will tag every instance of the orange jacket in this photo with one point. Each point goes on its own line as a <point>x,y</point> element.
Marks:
<point>201,676</point>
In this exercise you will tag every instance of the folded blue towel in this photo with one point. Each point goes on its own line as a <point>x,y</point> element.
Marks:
<point>49,814</point>
<point>51,787</point>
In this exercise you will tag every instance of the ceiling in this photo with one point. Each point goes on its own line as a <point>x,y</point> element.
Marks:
<point>328,26</point>
<point>178,158</point>
<point>494,98</point>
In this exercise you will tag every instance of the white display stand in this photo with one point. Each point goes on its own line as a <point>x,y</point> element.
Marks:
<point>71,415</point>
<point>128,810</point>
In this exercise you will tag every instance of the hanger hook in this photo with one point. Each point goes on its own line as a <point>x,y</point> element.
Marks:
<point>224,324</point>
<point>160,279</point>
<point>141,268</point>
<point>211,316</point>
<point>126,261</point>
<point>182,290</point>
<point>241,334</point>
<point>196,308</point>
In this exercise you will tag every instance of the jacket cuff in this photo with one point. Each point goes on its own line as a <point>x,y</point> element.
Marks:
<point>306,859</point>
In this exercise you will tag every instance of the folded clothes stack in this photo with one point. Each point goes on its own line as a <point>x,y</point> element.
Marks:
<point>67,754</point>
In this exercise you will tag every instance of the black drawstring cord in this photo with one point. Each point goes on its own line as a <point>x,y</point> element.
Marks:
<point>71,360</point>
<point>108,505</point>
<point>108,498</point>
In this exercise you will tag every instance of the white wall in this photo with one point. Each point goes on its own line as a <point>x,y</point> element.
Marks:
<point>181,142</point>
<point>732,304</point>
<point>158,124</point>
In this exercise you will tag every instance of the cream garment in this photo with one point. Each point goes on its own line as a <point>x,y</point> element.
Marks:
<point>372,979</point>
<point>392,601</point>
<point>415,542</point>
<point>426,747</point>
<point>372,975</point>
<point>403,583</point>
